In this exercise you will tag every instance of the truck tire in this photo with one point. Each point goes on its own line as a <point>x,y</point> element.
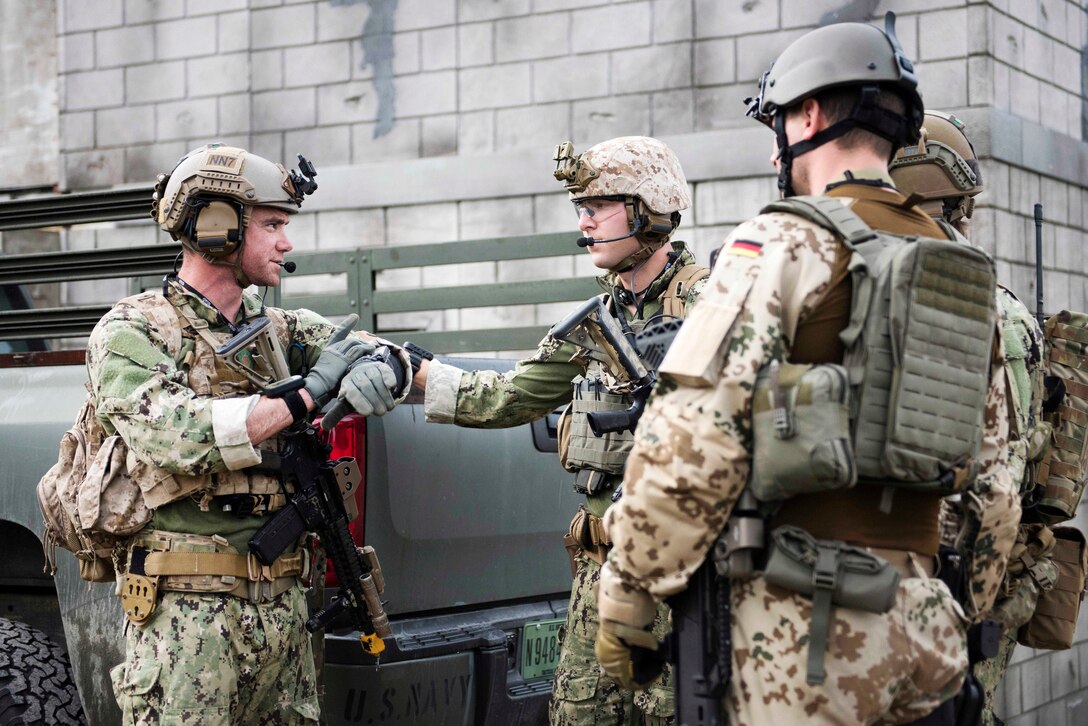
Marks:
<point>36,683</point>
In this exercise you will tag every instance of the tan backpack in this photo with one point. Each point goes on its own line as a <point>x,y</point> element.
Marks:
<point>90,506</point>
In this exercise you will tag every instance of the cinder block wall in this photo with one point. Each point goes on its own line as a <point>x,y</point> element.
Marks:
<point>433,120</point>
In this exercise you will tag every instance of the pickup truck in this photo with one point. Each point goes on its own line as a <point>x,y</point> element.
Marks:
<point>467,523</point>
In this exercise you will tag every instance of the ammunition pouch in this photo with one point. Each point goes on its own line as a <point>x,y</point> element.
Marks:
<point>830,573</point>
<point>584,449</point>
<point>171,561</point>
<point>1056,613</point>
<point>801,431</point>
<point>587,534</point>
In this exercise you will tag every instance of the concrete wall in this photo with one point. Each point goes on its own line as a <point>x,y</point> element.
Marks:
<point>432,120</point>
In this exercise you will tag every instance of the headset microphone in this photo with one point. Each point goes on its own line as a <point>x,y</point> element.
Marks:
<point>287,266</point>
<point>589,241</point>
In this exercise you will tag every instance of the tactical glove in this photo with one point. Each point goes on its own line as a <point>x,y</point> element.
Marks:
<point>625,647</point>
<point>335,360</point>
<point>629,655</point>
<point>369,387</point>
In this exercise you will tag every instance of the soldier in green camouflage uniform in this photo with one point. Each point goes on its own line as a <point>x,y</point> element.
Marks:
<point>631,188</point>
<point>943,169</point>
<point>840,99</point>
<point>213,636</point>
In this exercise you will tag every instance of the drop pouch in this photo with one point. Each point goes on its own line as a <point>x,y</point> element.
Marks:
<point>828,572</point>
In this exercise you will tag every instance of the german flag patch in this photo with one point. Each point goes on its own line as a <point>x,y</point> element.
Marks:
<point>746,248</point>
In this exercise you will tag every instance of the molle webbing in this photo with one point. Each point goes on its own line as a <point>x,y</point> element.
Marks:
<point>919,347</point>
<point>1065,476</point>
<point>586,450</point>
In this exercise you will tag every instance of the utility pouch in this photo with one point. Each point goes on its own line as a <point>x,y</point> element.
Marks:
<point>830,573</point>
<point>801,431</point>
<point>108,500</point>
<point>1055,618</point>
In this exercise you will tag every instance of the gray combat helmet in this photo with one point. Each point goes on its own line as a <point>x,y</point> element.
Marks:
<point>835,56</point>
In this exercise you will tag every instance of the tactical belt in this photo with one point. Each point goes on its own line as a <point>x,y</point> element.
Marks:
<point>161,561</point>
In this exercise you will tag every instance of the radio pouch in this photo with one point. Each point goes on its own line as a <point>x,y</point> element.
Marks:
<point>801,431</point>
<point>1055,618</point>
<point>829,572</point>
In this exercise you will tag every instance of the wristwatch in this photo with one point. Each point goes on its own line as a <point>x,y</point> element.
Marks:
<point>417,355</point>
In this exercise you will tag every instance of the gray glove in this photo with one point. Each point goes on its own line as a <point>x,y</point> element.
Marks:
<point>368,387</point>
<point>339,353</point>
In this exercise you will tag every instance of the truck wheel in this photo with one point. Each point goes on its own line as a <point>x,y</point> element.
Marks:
<point>36,683</point>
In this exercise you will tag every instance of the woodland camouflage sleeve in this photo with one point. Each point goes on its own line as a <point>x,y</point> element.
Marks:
<point>489,399</point>
<point>991,505</point>
<point>691,456</point>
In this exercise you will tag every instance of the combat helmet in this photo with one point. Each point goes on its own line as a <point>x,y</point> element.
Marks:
<point>640,171</point>
<point>834,56</point>
<point>941,168</point>
<point>207,199</point>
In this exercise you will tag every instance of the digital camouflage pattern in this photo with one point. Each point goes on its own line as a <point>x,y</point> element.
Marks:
<point>691,460</point>
<point>637,166</point>
<point>534,388</point>
<point>211,660</point>
<point>583,694</point>
<point>157,384</point>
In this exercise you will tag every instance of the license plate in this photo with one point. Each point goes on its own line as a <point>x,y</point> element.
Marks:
<point>539,648</point>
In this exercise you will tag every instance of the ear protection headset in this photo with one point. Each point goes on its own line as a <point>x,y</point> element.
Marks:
<point>215,226</point>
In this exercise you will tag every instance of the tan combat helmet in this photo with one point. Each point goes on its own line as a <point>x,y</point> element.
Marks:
<point>834,56</point>
<point>941,168</point>
<point>642,172</point>
<point>207,200</point>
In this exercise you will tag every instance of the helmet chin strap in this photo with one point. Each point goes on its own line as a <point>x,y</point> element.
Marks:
<point>866,115</point>
<point>637,225</point>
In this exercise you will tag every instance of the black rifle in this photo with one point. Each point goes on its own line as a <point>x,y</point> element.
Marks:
<point>324,498</point>
<point>324,503</point>
<point>701,647</point>
<point>1039,265</point>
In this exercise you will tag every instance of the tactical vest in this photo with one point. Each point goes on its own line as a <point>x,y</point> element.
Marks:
<point>193,346</point>
<point>579,448</point>
<point>919,344</point>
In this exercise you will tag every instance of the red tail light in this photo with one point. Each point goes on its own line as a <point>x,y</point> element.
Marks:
<point>348,438</point>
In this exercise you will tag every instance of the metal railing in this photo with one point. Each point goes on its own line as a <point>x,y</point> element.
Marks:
<point>145,266</point>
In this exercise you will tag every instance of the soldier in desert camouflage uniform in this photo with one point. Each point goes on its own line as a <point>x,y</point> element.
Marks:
<point>841,100</point>
<point>213,636</point>
<point>942,168</point>
<point>633,189</point>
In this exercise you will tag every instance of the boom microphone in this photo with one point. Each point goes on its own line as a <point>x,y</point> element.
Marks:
<point>287,266</point>
<point>589,241</point>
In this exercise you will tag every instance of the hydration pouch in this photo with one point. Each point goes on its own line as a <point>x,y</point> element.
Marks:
<point>801,431</point>
<point>828,572</point>
<point>919,346</point>
<point>1055,619</point>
